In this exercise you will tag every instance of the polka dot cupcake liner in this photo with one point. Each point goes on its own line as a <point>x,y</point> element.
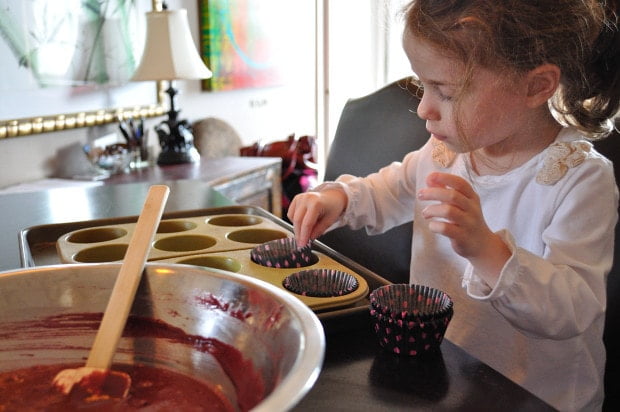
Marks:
<point>410,302</point>
<point>283,253</point>
<point>321,283</point>
<point>410,319</point>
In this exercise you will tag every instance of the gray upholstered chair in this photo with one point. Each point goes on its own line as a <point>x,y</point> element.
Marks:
<point>374,131</point>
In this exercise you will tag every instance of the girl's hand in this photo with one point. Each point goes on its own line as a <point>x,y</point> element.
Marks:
<point>313,212</point>
<point>458,216</point>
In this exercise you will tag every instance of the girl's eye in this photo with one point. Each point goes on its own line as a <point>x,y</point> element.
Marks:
<point>437,89</point>
<point>443,96</point>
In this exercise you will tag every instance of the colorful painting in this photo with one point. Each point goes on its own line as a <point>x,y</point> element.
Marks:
<point>244,42</point>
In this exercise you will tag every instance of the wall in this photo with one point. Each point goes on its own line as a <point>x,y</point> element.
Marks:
<point>257,114</point>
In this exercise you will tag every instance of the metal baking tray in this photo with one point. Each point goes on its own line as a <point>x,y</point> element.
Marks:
<point>38,247</point>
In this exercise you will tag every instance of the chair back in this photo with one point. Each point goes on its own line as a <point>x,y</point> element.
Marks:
<point>372,132</point>
<point>610,148</point>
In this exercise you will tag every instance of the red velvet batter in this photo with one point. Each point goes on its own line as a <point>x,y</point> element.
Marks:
<point>151,389</point>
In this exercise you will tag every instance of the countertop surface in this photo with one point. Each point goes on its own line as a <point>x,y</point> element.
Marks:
<point>212,171</point>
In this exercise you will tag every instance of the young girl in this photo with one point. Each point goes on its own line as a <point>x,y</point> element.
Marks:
<point>513,210</point>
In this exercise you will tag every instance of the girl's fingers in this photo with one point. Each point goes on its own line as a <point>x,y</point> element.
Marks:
<point>450,181</point>
<point>448,189</point>
<point>443,211</point>
<point>320,228</point>
<point>304,213</point>
<point>296,214</point>
<point>312,213</point>
<point>308,226</point>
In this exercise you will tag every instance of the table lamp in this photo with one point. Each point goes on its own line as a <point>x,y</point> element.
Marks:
<point>170,54</point>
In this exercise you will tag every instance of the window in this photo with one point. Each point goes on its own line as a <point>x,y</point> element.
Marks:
<point>365,53</point>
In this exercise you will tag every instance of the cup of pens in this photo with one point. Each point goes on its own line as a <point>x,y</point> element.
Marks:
<point>137,141</point>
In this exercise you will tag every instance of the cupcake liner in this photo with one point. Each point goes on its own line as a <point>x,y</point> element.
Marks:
<point>409,302</point>
<point>283,253</point>
<point>410,319</point>
<point>410,338</point>
<point>321,283</point>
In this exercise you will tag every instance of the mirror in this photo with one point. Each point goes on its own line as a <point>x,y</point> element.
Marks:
<point>68,64</point>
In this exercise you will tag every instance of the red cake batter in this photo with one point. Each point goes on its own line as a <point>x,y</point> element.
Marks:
<point>152,389</point>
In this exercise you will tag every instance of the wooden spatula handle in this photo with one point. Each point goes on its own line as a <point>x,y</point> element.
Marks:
<point>126,285</point>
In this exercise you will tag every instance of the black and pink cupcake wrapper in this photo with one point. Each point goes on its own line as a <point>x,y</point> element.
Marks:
<point>283,253</point>
<point>410,319</point>
<point>321,283</point>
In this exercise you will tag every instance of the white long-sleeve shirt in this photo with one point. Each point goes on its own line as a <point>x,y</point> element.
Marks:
<point>541,325</point>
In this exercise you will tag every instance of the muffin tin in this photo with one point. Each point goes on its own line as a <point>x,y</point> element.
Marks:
<point>174,237</point>
<point>239,261</point>
<point>236,230</point>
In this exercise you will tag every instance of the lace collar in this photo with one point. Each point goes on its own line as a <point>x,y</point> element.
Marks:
<point>558,158</point>
<point>561,156</point>
<point>442,156</point>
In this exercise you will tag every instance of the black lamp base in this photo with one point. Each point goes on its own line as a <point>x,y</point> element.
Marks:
<point>191,155</point>
<point>175,137</point>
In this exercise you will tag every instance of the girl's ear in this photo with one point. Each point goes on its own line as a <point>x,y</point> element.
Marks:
<point>542,82</point>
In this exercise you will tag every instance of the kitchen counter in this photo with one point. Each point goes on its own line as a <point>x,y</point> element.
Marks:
<point>357,374</point>
<point>254,181</point>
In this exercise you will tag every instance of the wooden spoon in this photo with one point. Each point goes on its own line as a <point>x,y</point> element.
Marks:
<point>95,380</point>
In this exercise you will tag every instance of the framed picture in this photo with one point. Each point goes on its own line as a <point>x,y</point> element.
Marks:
<point>244,42</point>
<point>68,64</point>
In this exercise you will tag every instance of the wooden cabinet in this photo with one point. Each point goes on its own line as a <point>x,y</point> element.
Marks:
<point>259,188</point>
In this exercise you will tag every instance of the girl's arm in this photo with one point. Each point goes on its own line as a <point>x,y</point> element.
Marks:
<point>378,202</point>
<point>560,294</point>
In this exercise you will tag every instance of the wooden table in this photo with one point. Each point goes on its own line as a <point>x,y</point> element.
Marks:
<point>357,374</point>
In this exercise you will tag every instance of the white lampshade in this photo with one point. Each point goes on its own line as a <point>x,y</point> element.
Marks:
<point>169,52</point>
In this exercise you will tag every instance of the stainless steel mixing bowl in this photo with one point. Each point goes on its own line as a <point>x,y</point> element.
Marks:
<point>281,337</point>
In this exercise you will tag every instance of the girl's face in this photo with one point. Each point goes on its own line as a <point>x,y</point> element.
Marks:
<point>490,111</point>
